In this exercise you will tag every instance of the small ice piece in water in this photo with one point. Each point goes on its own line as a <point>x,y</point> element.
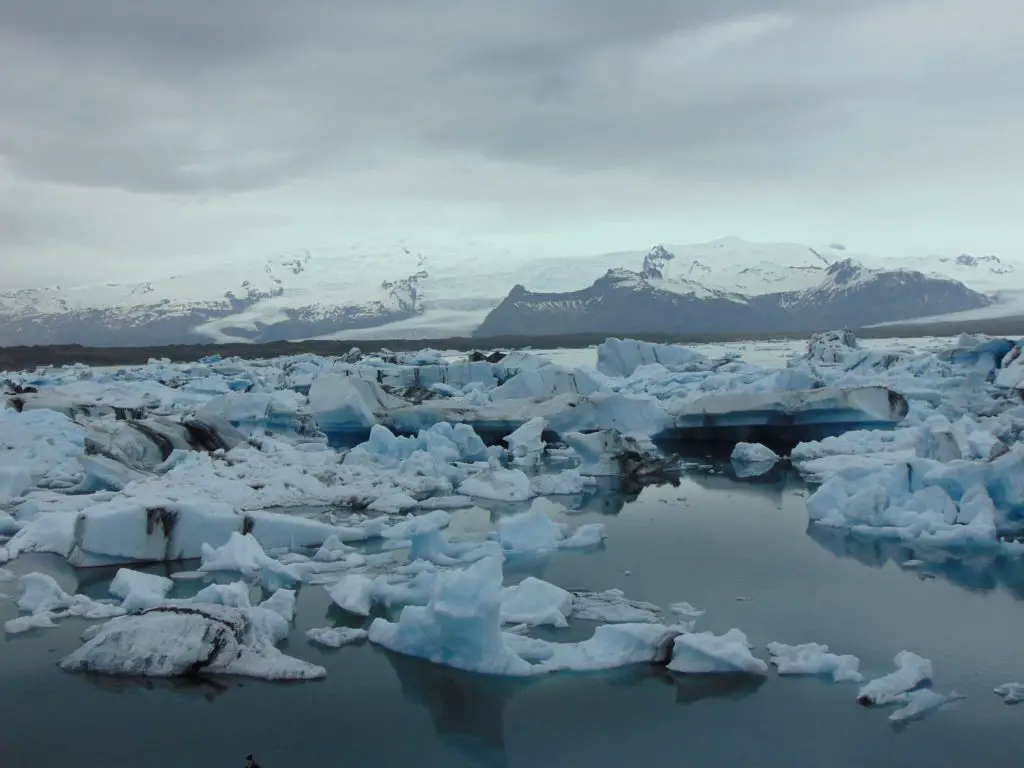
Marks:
<point>587,535</point>
<point>814,659</point>
<point>706,653</point>
<point>42,620</point>
<point>919,703</point>
<point>753,453</point>
<point>534,602</point>
<point>1012,693</point>
<point>911,671</point>
<point>353,593</point>
<point>908,564</point>
<point>128,581</point>
<point>243,554</point>
<point>613,607</point>
<point>686,610</point>
<point>40,592</point>
<point>532,530</point>
<point>498,484</point>
<point>335,637</point>
<point>7,575</point>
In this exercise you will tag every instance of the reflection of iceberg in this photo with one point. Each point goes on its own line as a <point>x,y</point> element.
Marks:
<point>971,570</point>
<point>691,689</point>
<point>468,710</point>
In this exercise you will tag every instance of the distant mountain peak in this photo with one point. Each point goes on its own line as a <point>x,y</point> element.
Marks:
<point>655,261</point>
<point>845,271</point>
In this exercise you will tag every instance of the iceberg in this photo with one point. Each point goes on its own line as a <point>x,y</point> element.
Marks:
<point>621,357</point>
<point>335,637</point>
<point>911,671</point>
<point>919,703</point>
<point>460,626</point>
<point>706,653</point>
<point>349,405</point>
<point>534,602</point>
<point>1011,693</point>
<point>814,659</point>
<point>169,641</point>
<point>785,418</point>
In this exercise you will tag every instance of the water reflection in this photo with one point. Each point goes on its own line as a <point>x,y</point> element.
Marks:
<point>467,710</point>
<point>971,570</point>
<point>195,688</point>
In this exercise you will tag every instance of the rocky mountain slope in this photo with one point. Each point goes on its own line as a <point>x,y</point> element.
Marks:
<point>847,294</point>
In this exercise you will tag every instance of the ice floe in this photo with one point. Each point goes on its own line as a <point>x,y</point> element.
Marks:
<point>911,671</point>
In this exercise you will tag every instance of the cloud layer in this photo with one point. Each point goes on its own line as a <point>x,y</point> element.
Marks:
<point>137,132</point>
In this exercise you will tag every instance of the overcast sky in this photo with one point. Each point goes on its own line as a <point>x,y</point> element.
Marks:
<point>141,136</point>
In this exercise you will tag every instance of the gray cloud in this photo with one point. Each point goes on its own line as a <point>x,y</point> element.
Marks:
<point>242,97</point>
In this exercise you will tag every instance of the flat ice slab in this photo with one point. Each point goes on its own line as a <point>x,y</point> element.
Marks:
<point>784,417</point>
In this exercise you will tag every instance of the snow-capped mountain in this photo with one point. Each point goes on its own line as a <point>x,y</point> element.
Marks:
<point>296,296</point>
<point>399,292</point>
<point>847,294</point>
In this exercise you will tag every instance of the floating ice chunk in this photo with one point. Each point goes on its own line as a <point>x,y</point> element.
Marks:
<point>911,671</point>
<point>1011,693</point>
<point>243,554</point>
<point>7,575</point>
<point>15,482</point>
<point>753,453</point>
<point>814,659</point>
<point>686,610</point>
<point>584,537</point>
<point>235,595</point>
<point>532,530</point>
<point>621,357</point>
<point>42,620</point>
<point>613,607</point>
<point>706,653</point>
<point>527,440</point>
<point>498,484</point>
<point>460,626</point>
<point>333,549</point>
<point>40,592</point>
<point>534,602</point>
<point>565,483</point>
<point>353,593</point>
<point>178,640</point>
<point>336,637</point>
<point>917,704</point>
<point>128,581</point>
<point>282,602</point>
<point>612,646</point>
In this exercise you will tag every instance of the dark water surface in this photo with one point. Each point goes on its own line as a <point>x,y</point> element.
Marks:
<point>740,550</point>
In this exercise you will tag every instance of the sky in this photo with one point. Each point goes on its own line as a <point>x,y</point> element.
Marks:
<point>139,137</point>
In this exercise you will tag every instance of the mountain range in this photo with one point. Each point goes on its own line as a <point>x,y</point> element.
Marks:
<point>727,286</point>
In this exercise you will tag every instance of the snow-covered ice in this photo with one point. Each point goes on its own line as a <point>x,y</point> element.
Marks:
<point>1011,693</point>
<point>335,637</point>
<point>911,671</point>
<point>700,653</point>
<point>814,659</point>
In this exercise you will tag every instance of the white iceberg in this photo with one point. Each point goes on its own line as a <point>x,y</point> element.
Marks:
<point>911,671</point>
<point>702,653</point>
<point>169,641</point>
<point>814,659</point>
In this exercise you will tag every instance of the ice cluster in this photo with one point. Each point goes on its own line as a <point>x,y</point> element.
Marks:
<point>349,474</point>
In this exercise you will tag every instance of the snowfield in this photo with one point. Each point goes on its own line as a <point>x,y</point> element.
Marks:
<point>350,474</point>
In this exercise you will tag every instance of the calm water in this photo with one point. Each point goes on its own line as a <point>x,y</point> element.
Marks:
<point>710,541</point>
